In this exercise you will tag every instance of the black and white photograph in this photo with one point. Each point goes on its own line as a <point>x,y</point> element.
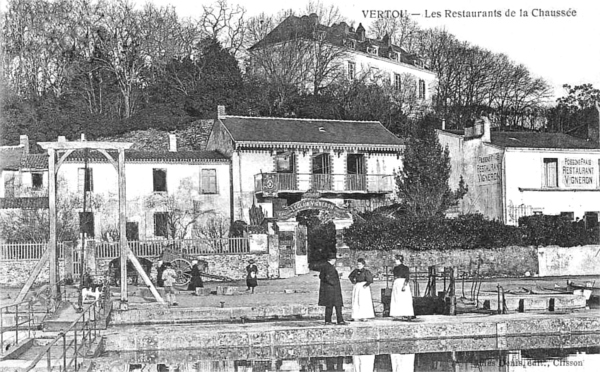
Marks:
<point>322,185</point>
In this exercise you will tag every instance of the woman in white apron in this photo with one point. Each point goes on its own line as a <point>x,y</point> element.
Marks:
<point>362,302</point>
<point>401,305</point>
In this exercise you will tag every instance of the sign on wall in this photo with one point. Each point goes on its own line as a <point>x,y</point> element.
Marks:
<point>579,173</point>
<point>489,169</point>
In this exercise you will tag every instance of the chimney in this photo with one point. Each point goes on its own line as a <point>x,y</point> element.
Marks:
<point>387,40</point>
<point>487,127</point>
<point>443,124</point>
<point>172,143</point>
<point>221,112</point>
<point>360,31</point>
<point>24,141</point>
<point>82,137</point>
<point>62,139</point>
<point>593,126</point>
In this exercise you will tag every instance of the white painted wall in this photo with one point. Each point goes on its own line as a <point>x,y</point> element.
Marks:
<point>525,181</point>
<point>557,261</point>
<point>139,186</point>
<point>367,62</point>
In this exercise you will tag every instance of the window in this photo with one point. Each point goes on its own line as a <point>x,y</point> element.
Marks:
<point>356,163</point>
<point>372,50</point>
<point>85,183</point>
<point>159,180</point>
<point>395,56</point>
<point>421,89</point>
<point>86,224</point>
<point>132,231</point>
<point>161,220</point>
<point>397,81</point>
<point>351,70</point>
<point>9,185</point>
<point>209,181</point>
<point>350,43</point>
<point>356,179</point>
<point>321,164</point>
<point>550,172</point>
<point>284,162</point>
<point>37,180</point>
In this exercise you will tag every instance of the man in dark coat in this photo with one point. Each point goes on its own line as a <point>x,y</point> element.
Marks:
<point>330,292</point>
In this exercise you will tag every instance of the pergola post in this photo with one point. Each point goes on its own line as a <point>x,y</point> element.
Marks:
<point>53,252</point>
<point>122,224</point>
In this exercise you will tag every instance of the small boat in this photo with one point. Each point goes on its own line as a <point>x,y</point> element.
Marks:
<point>588,290</point>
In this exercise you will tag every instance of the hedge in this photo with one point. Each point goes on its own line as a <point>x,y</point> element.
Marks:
<point>470,231</point>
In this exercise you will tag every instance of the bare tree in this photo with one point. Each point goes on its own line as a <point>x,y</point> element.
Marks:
<point>225,23</point>
<point>182,212</point>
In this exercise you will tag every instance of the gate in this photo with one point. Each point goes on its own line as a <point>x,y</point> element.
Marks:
<point>287,254</point>
<point>301,250</point>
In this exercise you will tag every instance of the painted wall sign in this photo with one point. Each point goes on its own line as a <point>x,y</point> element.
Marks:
<point>489,168</point>
<point>579,173</point>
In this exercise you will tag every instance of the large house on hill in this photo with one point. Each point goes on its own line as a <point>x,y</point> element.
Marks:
<point>353,53</point>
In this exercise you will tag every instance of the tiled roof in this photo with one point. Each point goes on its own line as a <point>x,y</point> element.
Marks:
<point>338,34</point>
<point>541,140</point>
<point>154,156</point>
<point>34,161</point>
<point>24,203</point>
<point>280,130</point>
<point>10,158</point>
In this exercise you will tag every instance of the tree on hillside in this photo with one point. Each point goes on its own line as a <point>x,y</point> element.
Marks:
<point>423,180</point>
<point>575,111</point>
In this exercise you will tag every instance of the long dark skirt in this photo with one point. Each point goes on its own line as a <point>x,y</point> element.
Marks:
<point>196,282</point>
<point>251,282</point>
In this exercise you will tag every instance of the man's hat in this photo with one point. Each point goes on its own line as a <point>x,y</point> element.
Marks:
<point>331,256</point>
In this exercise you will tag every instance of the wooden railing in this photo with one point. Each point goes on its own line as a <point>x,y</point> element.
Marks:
<point>300,182</point>
<point>145,248</point>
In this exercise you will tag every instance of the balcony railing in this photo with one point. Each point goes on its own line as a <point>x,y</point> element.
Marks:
<point>301,182</point>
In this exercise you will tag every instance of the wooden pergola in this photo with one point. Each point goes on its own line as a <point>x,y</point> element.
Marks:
<point>57,154</point>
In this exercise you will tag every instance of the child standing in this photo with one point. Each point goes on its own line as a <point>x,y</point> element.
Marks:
<point>168,277</point>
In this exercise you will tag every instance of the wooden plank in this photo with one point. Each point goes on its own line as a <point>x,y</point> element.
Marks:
<point>62,160</point>
<point>34,274</point>
<point>144,276</point>
<point>93,145</point>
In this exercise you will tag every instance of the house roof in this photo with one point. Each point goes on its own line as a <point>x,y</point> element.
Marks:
<point>24,203</point>
<point>253,130</point>
<point>540,140</point>
<point>153,156</point>
<point>34,161</point>
<point>338,34</point>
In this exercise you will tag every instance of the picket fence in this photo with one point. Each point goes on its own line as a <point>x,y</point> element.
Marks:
<point>146,248</point>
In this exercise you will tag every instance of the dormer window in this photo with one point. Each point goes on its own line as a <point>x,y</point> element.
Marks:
<point>372,50</point>
<point>395,56</point>
<point>350,43</point>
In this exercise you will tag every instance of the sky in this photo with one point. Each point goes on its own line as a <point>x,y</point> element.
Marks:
<point>562,50</point>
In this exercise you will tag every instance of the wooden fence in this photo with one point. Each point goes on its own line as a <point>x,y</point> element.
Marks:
<point>146,248</point>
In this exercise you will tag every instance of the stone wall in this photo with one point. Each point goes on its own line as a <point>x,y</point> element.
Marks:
<point>510,261</point>
<point>16,273</point>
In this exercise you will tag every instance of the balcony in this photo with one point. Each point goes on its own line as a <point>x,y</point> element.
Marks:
<point>274,183</point>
